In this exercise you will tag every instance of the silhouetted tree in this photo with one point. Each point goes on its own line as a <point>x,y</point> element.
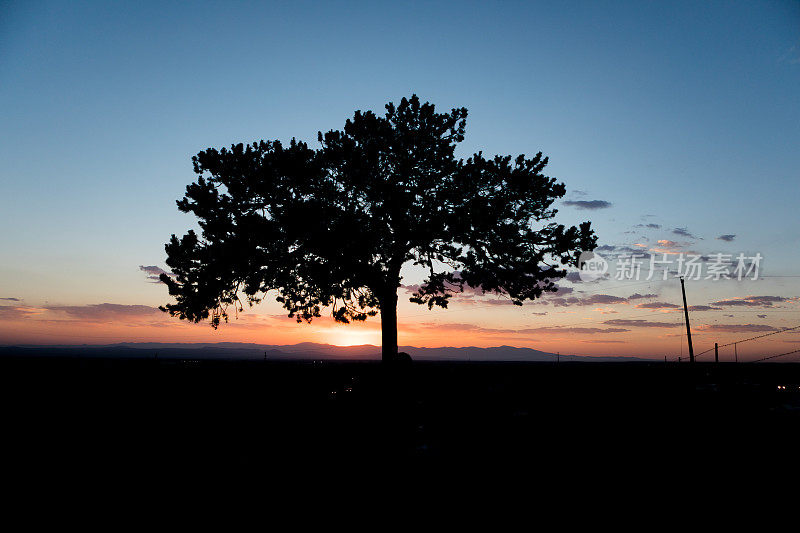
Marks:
<point>333,226</point>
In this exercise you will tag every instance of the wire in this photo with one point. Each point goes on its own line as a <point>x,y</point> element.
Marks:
<point>774,356</point>
<point>760,336</point>
<point>648,314</point>
<point>751,339</point>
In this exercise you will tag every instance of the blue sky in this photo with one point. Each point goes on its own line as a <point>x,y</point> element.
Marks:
<point>683,114</point>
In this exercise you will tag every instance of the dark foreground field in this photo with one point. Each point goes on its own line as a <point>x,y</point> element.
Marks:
<point>112,417</point>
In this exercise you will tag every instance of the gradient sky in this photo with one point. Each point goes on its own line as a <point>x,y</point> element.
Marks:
<point>680,115</point>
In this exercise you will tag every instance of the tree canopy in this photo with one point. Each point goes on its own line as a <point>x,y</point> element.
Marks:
<point>333,226</point>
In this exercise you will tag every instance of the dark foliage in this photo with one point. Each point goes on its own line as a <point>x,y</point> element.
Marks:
<point>333,226</point>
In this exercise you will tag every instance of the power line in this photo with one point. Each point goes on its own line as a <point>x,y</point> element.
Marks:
<point>774,356</point>
<point>740,311</point>
<point>753,338</point>
<point>760,336</point>
<point>647,314</point>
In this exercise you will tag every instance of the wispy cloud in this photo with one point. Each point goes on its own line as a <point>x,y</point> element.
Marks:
<point>728,237</point>
<point>596,299</point>
<point>105,312</point>
<point>14,312</point>
<point>666,246</point>
<point>639,323</point>
<point>153,272</point>
<point>666,243</point>
<point>544,330</point>
<point>621,250</point>
<point>572,330</point>
<point>704,308</point>
<point>753,301</point>
<point>658,305</point>
<point>476,295</point>
<point>737,328</point>
<point>588,204</point>
<point>683,232</point>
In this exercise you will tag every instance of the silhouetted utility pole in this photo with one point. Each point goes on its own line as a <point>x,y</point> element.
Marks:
<point>688,329</point>
<point>716,352</point>
<point>735,352</point>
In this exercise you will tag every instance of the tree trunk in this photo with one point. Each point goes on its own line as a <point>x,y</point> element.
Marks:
<point>389,326</point>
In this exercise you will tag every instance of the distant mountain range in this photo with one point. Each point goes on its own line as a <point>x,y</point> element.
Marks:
<point>301,351</point>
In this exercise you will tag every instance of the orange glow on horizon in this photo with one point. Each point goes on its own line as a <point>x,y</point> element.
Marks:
<point>604,331</point>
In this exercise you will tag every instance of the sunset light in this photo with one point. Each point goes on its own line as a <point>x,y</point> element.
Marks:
<point>245,236</point>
